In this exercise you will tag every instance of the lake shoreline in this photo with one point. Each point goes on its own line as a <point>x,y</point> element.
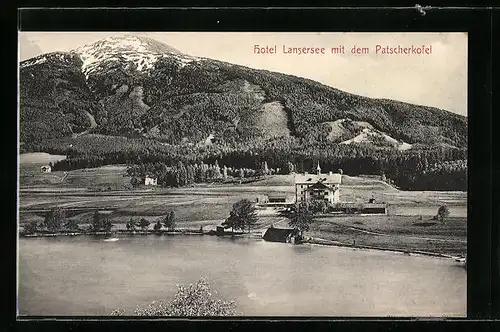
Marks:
<point>309,240</point>
<point>91,233</point>
<point>322,242</point>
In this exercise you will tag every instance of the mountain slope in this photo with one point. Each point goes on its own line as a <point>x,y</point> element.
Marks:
<point>53,97</point>
<point>137,87</point>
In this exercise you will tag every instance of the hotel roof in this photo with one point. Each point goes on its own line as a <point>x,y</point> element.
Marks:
<point>318,185</point>
<point>334,178</point>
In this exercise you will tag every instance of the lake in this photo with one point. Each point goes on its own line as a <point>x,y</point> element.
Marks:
<point>86,275</point>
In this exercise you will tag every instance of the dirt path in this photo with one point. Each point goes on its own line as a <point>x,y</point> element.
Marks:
<point>64,176</point>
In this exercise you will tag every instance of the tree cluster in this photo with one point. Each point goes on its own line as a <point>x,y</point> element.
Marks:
<point>301,219</point>
<point>100,222</point>
<point>168,221</point>
<point>242,216</point>
<point>55,221</point>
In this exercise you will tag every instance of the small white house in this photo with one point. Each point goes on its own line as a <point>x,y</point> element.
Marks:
<point>150,181</point>
<point>45,169</point>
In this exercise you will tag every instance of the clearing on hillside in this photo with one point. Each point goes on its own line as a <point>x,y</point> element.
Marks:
<point>273,120</point>
<point>343,127</point>
<point>38,158</point>
<point>378,138</point>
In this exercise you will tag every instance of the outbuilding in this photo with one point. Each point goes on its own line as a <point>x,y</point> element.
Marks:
<point>150,181</point>
<point>276,198</point>
<point>46,169</point>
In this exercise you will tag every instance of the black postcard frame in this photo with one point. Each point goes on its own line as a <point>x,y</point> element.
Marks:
<point>478,23</point>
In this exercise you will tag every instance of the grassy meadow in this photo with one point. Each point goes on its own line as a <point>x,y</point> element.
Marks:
<point>408,224</point>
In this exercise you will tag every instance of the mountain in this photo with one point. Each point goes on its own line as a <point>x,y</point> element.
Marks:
<point>138,87</point>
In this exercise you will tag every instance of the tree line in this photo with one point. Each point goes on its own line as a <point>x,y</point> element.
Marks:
<point>421,168</point>
<point>57,221</point>
<point>183,174</point>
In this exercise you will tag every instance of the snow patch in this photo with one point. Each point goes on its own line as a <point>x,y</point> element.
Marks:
<point>208,140</point>
<point>134,51</point>
<point>182,61</point>
<point>405,146</point>
<point>367,135</point>
<point>33,62</point>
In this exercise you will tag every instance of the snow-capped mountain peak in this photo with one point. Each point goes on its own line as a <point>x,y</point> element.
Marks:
<point>142,52</point>
<point>128,44</point>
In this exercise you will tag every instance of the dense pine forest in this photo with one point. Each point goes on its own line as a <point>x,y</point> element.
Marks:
<point>416,169</point>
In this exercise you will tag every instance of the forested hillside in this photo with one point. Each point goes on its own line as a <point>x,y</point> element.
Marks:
<point>154,104</point>
<point>53,95</point>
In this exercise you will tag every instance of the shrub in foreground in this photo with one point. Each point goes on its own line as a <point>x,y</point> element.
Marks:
<point>192,300</point>
<point>443,213</point>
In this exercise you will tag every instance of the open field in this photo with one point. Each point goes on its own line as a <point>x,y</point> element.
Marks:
<point>80,192</point>
<point>112,177</point>
<point>395,232</point>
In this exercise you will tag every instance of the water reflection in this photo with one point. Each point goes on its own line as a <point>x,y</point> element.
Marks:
<point>88,276</point>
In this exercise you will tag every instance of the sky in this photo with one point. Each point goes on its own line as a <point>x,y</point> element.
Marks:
<point>438,79</point>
